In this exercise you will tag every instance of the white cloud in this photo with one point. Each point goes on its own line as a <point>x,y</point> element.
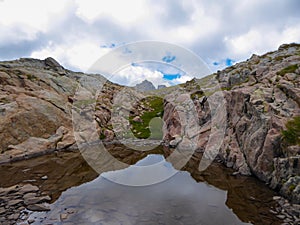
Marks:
<point>35,15</point>
<point>125,12</point>
<point>133,75</point>
<point>72,31</point>
<point>79,54</point>
<point>260,40</point>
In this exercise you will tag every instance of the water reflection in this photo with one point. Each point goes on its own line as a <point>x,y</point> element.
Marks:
<point>178,200</point>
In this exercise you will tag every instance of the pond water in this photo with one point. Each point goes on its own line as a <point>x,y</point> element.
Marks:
<point>81,196</point>
<point>178,200</point>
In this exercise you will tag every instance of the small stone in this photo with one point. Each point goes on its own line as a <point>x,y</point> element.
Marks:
<point>39,207</point>
<point>9,190</point>
<point>71,211</point>
<point>29,195</point>
<point>14,202</point>
<point>30,221</point>
<point>276,198</point>
<point>281,216</point>
<point>28,188</point>
<point>63,216</point>
<point>14,216</point>
<point>34,200</point>
<point>44,177</point>
<point>2,210</point>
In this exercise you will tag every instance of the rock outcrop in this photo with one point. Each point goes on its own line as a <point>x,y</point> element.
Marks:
<point>43,106</point>
<point>36,102</point>
<point>261,95</point>
<point>250,102</point>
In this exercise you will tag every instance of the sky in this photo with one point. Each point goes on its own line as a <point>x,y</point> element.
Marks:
<point>79,32</point>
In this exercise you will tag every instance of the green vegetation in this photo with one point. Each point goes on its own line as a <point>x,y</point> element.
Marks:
<point>102,136</point>
<point>30,77</point>
<point>151,124</point>
<point>226,88</point>
<point>281,57</point>
<point>291,135</point>
<point>292,187</point>
<point>288,69</point>
<point>197,95</point>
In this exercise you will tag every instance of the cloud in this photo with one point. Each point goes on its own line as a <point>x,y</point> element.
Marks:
<point>78,32</point>
<point>136,73</point>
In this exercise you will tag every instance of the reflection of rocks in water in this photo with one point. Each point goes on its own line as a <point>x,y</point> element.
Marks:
<point>250,200</point>
<point>246,196</point>
<point>14,200</point>
<point>178,200</point>
<point>53,174</point>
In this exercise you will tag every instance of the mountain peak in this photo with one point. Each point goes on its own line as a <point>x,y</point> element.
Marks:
<point>145,85</point>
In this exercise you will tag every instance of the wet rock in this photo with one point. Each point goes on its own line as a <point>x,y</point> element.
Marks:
<point>44,177</point>
<point>28,188</point>
<point>33,200</point>
<point>63,216</point>
<point>39,207</point>
<point>14,202</point>
<point>30,221</point>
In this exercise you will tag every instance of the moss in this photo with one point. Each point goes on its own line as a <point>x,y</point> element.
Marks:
<point>30,77</point>
<point>102,136</point>
<point>145,129</point>
<point>197,95</point>
<point>291,135</point>
<point>227,151</point>
<point>226,88</point>
<point>288,69</point>
<point>292,187</point>
<point>281,57</point>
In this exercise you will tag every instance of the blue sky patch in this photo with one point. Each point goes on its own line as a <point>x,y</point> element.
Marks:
<point>171,76</point>
<point>168,58</point>
<point>229,62</point>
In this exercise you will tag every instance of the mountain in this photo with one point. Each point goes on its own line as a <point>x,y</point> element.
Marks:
<point>161,86</point>
<point>145,86</point>
<point>256,103</point>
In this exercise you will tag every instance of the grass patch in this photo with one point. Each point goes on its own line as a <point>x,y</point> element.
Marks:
<point>197,95</point>
<point>288,69</point>
<point>291,135</point>
<point>292,187</point>
<point>281,57</point>
<point>151,126</point>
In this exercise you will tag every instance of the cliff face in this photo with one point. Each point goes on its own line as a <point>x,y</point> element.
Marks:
<point>261,95</point>
<point>36,100</point>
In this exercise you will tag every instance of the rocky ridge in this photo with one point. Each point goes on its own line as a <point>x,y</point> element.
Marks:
<point>261,95</point>
<point>145,86</point>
